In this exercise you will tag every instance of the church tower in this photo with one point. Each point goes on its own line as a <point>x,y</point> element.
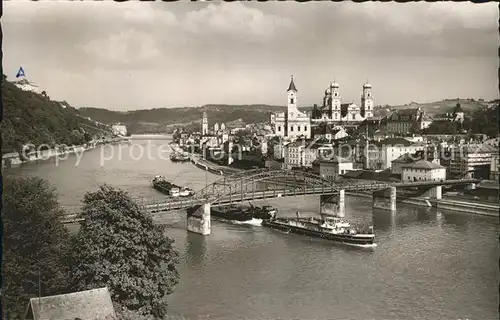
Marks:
<point>204,124</point>
<point>291,111</point>
<point>367,101</point>
<point>336,99</point>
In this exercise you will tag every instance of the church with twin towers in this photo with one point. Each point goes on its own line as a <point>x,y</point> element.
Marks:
<point>294,123</point>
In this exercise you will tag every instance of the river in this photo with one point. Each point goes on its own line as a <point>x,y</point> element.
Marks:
<point>428,264</point>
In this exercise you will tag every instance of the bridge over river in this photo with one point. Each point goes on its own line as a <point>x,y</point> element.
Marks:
<point>265,184</point>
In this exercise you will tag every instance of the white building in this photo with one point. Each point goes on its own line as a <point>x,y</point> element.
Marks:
<point>216,127</point>
<point>333,168</point>
<point>292,123</point>
<point>119,130</point>
<point>494,167</point>
<point>334,111</point>
<point>329,133</point>
<point>423,170</point>
<point>391,149</point>
<point>465,158</point>
<point>204,124</point>
<point>263,147</point>
<point>303,153</point>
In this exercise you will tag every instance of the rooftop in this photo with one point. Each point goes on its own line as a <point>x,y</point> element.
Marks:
<point>333,159</point>
<point>423,164</point>
<point>405,158</point>
<point>87,305</point>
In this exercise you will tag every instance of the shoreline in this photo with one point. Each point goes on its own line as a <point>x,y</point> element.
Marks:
<point>13,159</point>
<point>478,208</point>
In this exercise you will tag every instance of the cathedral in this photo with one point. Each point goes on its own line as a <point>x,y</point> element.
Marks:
<point>292,123</point>
<point>335,112</point>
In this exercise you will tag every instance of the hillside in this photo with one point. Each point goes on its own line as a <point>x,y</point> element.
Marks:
<point>435,108</point>
<point>161,120</point>
<point>29,117</point>
<point>166,119</point>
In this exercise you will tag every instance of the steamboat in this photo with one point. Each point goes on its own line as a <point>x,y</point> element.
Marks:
<point>159,183</point>
<point>327,227</point>
<point>252,215</point>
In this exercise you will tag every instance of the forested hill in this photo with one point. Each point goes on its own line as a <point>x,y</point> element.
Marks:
<point>166,119</point>
<point>29,117</point>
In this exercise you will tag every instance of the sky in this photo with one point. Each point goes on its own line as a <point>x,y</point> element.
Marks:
<point>131,55</point>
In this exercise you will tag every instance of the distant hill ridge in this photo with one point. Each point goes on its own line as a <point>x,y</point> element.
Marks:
<point>159,120</point>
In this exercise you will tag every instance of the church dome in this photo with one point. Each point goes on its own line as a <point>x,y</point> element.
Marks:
<point>328,91</point>
<point>367,85</point>
<point>334,85</point>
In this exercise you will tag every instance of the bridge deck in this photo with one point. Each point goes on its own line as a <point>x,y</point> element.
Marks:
<point>284,188</point>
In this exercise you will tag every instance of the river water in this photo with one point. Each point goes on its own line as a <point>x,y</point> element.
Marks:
<point>428,264</point>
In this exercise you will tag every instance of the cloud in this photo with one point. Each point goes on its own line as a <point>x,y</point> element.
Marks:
<point>235,19</point>
<point>126,47</point>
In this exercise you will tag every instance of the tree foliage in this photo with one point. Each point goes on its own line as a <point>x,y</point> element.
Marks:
<point>118,246</point>
<point>484,120</point>
<point>35,241</point>
<point>30,117</point>
<point>443,127</point>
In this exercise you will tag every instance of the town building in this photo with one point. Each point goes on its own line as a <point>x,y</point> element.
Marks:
<point>423,170</point>
<point>429,153</point>
<point>292,123</point>
<point>473,160</point>
<point>204,124</point>
<point>494,167</point>
<point>334,111</point>
<point>302,153</point>
<point>119,130</point>
<point>406,121</point>
<point>456,115</point>
<point>379,155</point>
<point>333,168</point>
<point>326,132</point>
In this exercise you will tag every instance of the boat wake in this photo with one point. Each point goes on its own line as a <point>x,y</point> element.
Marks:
<point>253,222</point>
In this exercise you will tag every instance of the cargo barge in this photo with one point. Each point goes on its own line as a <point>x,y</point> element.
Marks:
<point>327,227</point>
<point>252,215</point>
<point>179,157</point>
<point>159,183</point>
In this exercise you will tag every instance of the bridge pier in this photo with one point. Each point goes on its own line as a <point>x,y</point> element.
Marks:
<point>333,204</point>
<point>198,219</point>
<point>385,199</point>
<point>436,192</point>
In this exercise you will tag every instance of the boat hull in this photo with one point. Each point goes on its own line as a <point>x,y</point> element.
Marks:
<point>358,239</point>
<point>253,216</point>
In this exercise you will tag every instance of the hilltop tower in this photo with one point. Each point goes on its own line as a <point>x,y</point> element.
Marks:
<point>367,101</point>
<point>204,124</point>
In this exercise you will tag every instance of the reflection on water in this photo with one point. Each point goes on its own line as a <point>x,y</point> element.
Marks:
<point>196,248</point>
<point>428,264</point>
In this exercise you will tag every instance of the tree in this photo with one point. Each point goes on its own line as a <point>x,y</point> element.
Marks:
<point>35,241</point>
<point>118,246</point>
<point>443,127</point>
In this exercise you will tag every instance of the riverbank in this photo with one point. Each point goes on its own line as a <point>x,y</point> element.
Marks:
<point>475,207</point>
<point>14,158</point>
<point>205,164</point>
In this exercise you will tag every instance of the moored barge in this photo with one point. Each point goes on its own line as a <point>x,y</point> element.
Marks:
<point>253,215</point>
<point>159,183</point>
<point>327,227</point>
<point>179,157</point>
